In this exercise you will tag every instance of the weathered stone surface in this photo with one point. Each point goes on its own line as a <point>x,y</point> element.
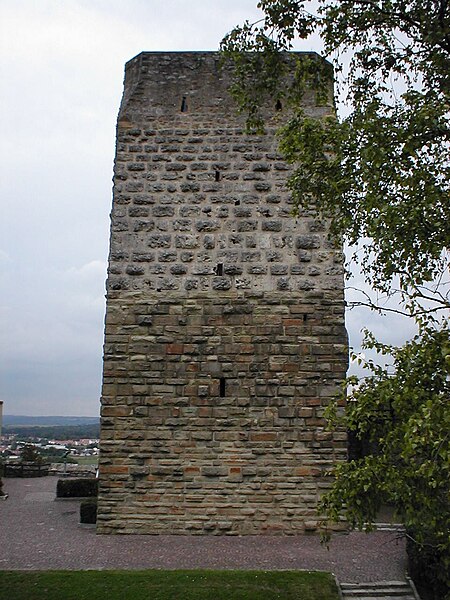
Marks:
<point>224,336</point>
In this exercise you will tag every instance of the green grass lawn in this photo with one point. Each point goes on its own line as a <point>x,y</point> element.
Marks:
<point>167,585</point>
<point>87,460</point>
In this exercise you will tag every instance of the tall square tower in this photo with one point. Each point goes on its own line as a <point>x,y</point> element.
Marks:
<point>225,335</point>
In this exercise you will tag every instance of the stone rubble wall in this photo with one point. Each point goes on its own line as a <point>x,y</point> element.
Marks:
<point>225,335</point>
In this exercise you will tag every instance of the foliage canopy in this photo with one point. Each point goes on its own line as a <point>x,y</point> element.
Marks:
<point>403,410</point>
<point>382,172</point>
<point>30,453</point>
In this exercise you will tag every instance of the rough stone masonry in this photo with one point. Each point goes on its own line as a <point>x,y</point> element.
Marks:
<point>225,335</point>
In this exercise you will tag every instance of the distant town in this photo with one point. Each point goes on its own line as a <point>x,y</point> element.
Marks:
<point>69,440</point>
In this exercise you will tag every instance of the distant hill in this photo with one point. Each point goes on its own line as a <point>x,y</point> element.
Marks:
<point>53,432</point>
<point>49,421</point>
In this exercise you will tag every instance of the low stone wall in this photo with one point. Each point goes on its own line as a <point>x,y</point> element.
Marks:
<point>26,469</point>
<point>71,470</point>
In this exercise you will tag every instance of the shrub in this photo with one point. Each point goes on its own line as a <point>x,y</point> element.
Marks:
<point>76,488</point>
<point>30,454</point>
<point>428,569</point>
<point>88,511</point>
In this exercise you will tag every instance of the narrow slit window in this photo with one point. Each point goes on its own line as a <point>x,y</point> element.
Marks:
<point>219,269</point>
<point>278,105</point>
<point>217,176</point>
<point>305,317</point>
<point>222,386</point>
<point>184,105</point>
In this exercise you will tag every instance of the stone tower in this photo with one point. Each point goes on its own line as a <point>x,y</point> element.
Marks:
<point>225,334</point>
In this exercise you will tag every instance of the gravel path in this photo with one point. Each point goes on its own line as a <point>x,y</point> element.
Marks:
<point>38,533</point>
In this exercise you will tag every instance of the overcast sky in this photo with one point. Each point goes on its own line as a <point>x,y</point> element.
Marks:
<point>61,70</point>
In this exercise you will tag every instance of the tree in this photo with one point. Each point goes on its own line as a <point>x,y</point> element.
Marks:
<point>29,453</point>
<point>381,174</point>
<point>403,411</point>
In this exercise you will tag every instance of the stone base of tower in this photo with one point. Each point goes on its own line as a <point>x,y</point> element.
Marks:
<point>212,411</point>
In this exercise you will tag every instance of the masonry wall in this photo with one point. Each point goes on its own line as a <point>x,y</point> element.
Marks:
<point>225,334</point>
